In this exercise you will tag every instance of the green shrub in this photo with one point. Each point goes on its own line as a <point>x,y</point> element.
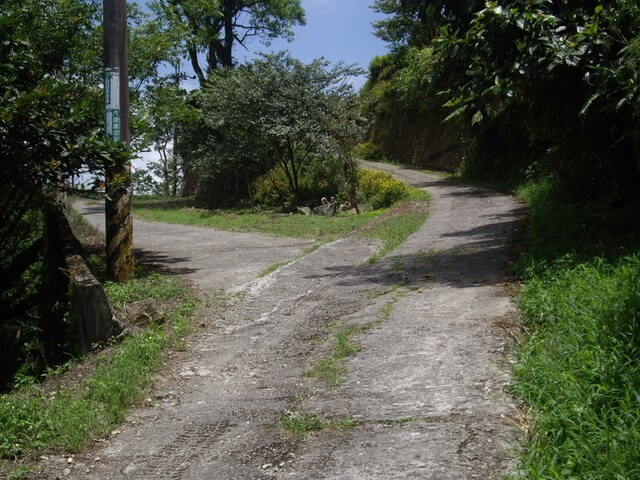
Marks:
<point>272,188</point>
<point>321,177</point>
<point>369,151</point>
<point>379,189</point>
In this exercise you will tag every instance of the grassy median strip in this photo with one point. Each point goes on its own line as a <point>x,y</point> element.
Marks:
<point>393,231</point>
<point>316,227</point>
<point>36,419</point>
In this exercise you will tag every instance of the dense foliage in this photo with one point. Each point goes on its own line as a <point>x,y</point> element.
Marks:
<point>49,133</point>
<point>536,87</point>
<point>278,115</point>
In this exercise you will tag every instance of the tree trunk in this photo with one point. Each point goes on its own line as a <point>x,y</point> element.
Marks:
<point>193,56</point>
<point>119,224</point>
<point>350,179</point>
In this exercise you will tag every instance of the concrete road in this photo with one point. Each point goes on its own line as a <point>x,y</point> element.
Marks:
<point>215,259</point>
<point>421,397</point>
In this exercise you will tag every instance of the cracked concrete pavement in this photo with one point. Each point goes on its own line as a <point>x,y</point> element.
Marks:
<point>425,391</point>
<point>213,259</point>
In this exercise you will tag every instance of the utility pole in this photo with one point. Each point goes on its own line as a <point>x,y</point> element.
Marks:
<point>174,159</point>
<point>119,222</point>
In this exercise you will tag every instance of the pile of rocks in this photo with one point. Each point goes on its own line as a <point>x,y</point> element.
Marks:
<point>328,207</point>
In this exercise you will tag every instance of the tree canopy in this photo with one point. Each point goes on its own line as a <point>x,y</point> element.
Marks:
<point>279,111</point>
<point>214,27</point>
<point>416,22</point>
<point>543,86</point>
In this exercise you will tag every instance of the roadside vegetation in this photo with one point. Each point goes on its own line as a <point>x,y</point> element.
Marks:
<point>74,405</point>
<point>377,192</point>
<point>69,406</point>
<point>578,372</point>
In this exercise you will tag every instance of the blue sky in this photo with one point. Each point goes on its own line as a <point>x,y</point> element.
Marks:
<point>338,30</point>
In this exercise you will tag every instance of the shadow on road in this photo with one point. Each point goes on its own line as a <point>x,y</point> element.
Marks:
<point>478,263</point>
<point>162,263</point>
<point>480,258</point>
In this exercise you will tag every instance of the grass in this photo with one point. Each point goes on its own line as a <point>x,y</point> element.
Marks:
<point>315,227</point>
<point>35,419</point>
<point>79,225</point>
<point>154,286</point>
<point>331,369</point>
<point>417,195</point>
<point>560,230</point>
<point>301,423</point>
<point>579,372</point>
<point>393,231</point>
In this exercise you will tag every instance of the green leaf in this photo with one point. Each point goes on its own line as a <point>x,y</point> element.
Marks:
<point>478,117</point>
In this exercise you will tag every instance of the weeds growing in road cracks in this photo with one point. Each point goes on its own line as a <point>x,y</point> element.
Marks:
<point>301,423</point>
<point>579,372</point>
<point>331,368</point>
<point>34,419</point>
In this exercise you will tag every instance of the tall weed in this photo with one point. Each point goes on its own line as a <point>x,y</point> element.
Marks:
<point>579,371</point>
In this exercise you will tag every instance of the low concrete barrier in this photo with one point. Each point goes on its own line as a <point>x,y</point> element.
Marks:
<point>91,308</point>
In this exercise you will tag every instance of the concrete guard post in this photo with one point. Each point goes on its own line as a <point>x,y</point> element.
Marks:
<point>90,307</point>
<point>95,322</point>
